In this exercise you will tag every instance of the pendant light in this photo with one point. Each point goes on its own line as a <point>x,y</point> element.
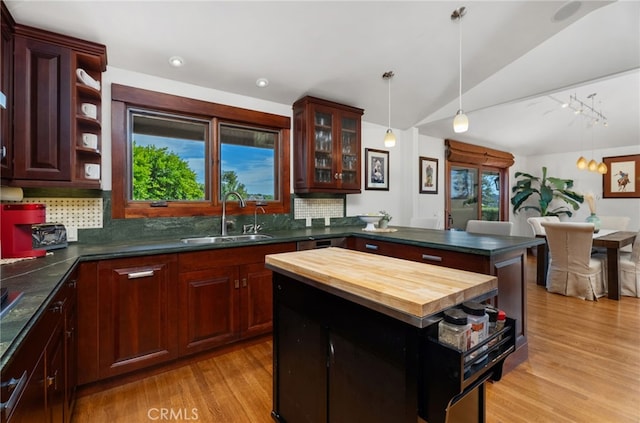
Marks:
<point>460,121</point>
<point>389,138</point>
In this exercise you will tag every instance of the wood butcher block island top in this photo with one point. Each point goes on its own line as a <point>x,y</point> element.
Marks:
<point>393,286</point>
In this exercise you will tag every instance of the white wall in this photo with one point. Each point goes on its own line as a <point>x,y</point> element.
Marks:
<point>403,200</point>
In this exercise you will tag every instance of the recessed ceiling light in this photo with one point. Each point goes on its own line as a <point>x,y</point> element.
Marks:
<point>176,61</point>
<point>262,82</point>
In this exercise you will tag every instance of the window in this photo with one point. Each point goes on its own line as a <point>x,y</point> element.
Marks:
<point>476,184</point>
<point>174,156</point>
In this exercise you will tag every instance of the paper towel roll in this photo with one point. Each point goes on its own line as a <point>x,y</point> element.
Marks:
<point>11,194</point>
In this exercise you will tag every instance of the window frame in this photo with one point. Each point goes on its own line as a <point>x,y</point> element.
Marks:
<point>124,97</point>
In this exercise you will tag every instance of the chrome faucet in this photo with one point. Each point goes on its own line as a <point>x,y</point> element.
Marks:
<point>257,227</point>
<point>224,209</point>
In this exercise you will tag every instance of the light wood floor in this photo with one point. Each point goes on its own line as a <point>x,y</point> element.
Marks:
<point>583,366</point>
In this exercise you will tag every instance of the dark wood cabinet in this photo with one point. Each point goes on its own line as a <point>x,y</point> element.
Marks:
<point>42,113</point>
<point>137,313</point>
<point>508,267</point>
<point>225,295</point>
<point>6,87</point>
<point>326,146</point>
<point>48,141</point>
<point>38,384</point>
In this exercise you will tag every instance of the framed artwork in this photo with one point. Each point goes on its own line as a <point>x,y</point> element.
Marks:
<point>428,175</point>
<point>622,179</point>
<point>376,169</point>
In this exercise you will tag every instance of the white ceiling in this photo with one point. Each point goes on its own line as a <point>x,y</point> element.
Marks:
<point>518,61</point>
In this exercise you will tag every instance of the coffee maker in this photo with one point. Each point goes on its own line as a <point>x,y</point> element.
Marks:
<point>15,223</point>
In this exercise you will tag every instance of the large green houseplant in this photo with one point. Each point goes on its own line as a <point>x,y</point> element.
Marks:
<point>546,189</point>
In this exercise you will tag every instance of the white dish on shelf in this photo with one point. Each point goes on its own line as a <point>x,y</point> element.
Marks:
<point>370,220</point>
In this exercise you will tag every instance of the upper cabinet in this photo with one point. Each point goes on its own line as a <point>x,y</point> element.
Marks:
<point>6,86</point>
<point>326,146</point>
<point>56,105</point>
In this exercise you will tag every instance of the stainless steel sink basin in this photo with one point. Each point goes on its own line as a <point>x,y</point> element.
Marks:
<point>225,239</point>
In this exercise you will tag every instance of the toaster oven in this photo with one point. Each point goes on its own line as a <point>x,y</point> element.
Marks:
<point>49,236</point>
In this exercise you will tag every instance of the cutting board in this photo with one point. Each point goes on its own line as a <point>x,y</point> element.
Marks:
<point>410,287</point>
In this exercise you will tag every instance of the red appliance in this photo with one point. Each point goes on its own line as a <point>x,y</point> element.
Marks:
<point>15,222</point>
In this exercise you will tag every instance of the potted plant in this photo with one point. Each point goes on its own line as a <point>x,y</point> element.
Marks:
<point>546,189</point>
<point>386,218</point>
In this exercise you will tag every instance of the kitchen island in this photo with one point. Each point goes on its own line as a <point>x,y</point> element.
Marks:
<point>355,339</point>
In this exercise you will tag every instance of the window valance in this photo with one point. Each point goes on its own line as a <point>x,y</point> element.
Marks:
<point>461,152</point>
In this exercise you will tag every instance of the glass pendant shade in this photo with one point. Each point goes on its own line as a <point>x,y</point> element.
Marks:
<point>602,168</point>
<point>593,165</point>
<point>460,122</point>
<point>389,139</point>
<point>581,163</point>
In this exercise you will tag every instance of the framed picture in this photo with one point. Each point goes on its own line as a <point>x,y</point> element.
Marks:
<point>376,169</point>
<point>428,175</point>
<point>622,179</point>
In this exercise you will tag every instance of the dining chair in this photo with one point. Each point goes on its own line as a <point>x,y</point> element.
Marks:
<point>630,270</point>
<point>572,270</point>
<point>620,223</point>
<point>535,223</point>
<point>489,227</point>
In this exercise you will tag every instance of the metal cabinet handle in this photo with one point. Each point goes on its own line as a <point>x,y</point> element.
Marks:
<point>15,386</point>
<point>244,282</point>
<point>3,152</point>
<point>142,274</point>
<point>53,381</point>
<point>431,258</point>
<point>58,306</point>
<point>332,353</point>
<point>236,284</point>
<point>70,333</point>
<point>72,283</point>
<point>371,247</point>
<point>335,176</point>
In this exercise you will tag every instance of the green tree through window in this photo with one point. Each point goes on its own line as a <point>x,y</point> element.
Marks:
<point>159,174</point>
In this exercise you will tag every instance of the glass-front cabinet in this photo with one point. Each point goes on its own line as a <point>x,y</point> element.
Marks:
<point>326,146</point>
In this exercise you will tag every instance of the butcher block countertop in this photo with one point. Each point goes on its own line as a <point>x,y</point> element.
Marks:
<point>404,289</point>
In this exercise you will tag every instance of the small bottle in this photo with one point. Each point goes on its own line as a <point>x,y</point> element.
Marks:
<point>492,312</point>
<point>454,329</point>
<point>479,327</point>
<point>502,318</point>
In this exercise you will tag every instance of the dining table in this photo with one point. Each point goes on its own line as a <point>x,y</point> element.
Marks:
<point>610,239</point>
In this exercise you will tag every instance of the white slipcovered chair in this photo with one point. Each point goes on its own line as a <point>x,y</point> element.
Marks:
<point>572,271</point>
<point>536,223</point>
<point>489,227</point>
<point>619,223</point>
<point>630,270</point>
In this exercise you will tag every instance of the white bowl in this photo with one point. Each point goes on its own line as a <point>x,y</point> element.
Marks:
<point>370,220</point>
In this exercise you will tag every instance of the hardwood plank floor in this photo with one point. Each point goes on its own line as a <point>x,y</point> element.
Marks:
<point>583,366</point>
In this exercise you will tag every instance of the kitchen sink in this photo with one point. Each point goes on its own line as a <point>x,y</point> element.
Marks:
<point>225,239</point>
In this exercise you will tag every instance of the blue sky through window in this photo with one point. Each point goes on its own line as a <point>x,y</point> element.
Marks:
<point>254,166</point>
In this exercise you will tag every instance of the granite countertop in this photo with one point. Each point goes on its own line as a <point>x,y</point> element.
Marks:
<point>39,279</point>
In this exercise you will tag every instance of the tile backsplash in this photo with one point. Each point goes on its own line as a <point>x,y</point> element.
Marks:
<point>81,213</point>
<point>318,207</point>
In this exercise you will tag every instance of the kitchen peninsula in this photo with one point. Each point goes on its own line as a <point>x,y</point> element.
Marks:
<point>42,280</point>
<point>355,339</point>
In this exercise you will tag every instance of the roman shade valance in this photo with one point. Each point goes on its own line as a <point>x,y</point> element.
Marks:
<point>461,152</point>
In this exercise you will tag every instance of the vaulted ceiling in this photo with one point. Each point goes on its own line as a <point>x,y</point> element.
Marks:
<point>520,59</point>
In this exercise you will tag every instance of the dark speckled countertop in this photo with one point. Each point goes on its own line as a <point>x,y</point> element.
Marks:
<point>39,279</point>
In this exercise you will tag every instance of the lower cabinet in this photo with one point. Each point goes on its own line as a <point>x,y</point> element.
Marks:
<point>137,313</point>
<point>141,311</point>
<point>225,295</point>
<point>38,385</point>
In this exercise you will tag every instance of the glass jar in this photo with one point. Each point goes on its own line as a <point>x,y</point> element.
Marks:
<point>454,329</point>
<point>479,321</point>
